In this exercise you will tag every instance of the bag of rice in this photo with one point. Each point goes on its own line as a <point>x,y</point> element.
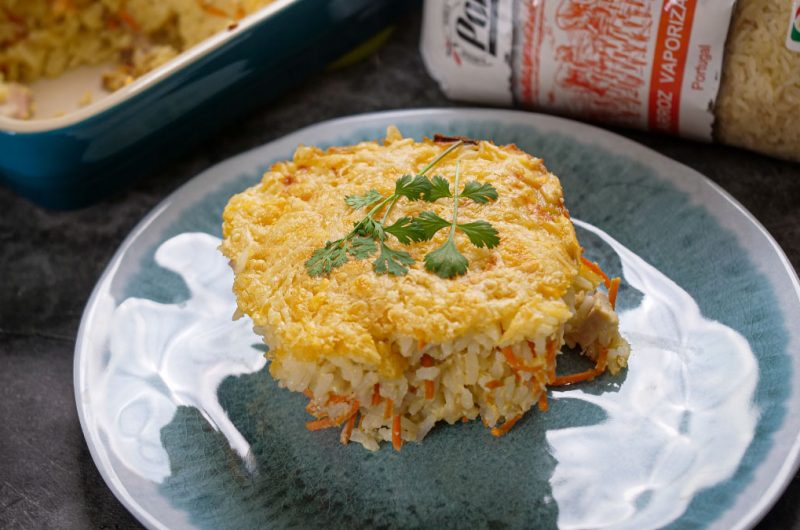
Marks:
<point>705,69</point>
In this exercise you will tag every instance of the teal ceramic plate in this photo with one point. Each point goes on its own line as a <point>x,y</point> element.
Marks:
<point>189,431</point>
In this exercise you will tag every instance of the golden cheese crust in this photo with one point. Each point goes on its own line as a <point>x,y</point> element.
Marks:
<point>271,229</point>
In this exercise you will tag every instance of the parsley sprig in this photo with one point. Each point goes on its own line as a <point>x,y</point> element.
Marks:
<point>446,261</point>
<point>370,235</point>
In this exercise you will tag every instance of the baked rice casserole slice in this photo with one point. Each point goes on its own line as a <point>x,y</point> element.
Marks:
<point>385,357</point>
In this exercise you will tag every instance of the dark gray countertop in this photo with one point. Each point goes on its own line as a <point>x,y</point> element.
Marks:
<point>51,261</point>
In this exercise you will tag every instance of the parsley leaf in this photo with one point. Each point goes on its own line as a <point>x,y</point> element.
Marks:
<point>480,193</point>
<point>412,187</point>
<point>362,247</point>
<point>439,189</point>
<point>391,261</point>
<point>446,261</point>
<point>359,201</point>
<point>480,233</point>
<point>327,258</point>
<point>369,227</point>
<point>428,223</point>
<point>406,231</point>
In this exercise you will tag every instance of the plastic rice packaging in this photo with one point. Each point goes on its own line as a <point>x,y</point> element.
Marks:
<point>716,70</point>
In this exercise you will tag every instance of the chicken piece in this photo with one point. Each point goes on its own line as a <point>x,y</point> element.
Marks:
<point>594,323</point>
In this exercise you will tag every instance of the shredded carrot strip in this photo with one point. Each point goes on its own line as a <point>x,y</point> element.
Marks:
<point>602,359</point>
<point>397,441</point>
<point>551,361</point>
<point>387,411</point>
<point>494,384</point>
<point>420,344</point>
<point>427,361</point>
<point>543,406</point>
<point>331,422</point>
<point>319,424</point>
<point>517,378</point>
<point>511,359</point>
<point>612,293</point>
<point>239,11</point>
<point>571,379</point>
<point>336,398</point>
<point>586,375</point>
<point>514,362</point>
<point>412,389</point>
<point>312,409</point>
<point>594,267</point>
<point>376,394</point>
<point>504,428</point>
<point>348,430</point>
<point>429,389</point>
<point>464,419</point>
<point>129,20</point>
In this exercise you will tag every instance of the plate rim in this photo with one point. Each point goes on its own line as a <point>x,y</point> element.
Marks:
<point>758,509</point>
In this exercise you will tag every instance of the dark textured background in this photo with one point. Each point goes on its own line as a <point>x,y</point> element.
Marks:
<point>49,262</point>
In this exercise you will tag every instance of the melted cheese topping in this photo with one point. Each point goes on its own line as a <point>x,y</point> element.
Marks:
<point>271,229</point>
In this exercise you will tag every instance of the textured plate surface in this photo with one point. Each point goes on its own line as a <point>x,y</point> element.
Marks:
<point>189,430</point>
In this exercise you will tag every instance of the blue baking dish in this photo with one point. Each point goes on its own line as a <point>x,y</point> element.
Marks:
<point>73,160</point>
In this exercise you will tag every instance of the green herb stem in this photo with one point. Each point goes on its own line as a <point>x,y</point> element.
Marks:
<point>380,205</point>
<point>421,173</point>
<point>455,202</point>
<point>389,209</point>
<point>441,156</point>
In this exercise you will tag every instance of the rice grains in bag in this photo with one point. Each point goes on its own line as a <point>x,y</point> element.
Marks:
<point>703,69</point>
